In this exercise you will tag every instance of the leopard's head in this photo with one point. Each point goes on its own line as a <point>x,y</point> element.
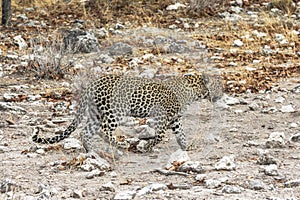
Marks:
<point>214,86</point>
<point>205,86</point>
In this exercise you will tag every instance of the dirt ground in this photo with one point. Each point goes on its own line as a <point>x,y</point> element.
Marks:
<point>215,130</point>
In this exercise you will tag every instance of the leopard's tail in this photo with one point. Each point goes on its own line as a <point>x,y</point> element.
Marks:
<point>67,132</point>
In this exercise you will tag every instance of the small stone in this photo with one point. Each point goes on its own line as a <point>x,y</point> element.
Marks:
<point>20,42</point>
<point>71,143</point>
<point>145,132</point>
<point>191,166</point>
<point>253,106</point>
<point>293,125</point>
<point>287,109</point>
<point>226,163</point>
<point>143,146</point>
<point>99,163</point>
<point>113,174</point>
<point>175,6</point>
<point>212,183</point>
<point>271,170</point>
<point>280,38</point>
<point>178,156</point>
<point>41,151</point>
<point>200,177</point>
<point>119,26</point>
<point>267,50</point>
<point>125,195</point>
<point>295,138</point>
<point>230,100</point>
<point>3,149</point>
<point>151,188</point>
<point>238,43</point>
<point>266,159</point>
<point>279,99</point>
<point>78,194</point>
<point>7,185</point>
<point>106,59</point>
<point>292,183</point>
<point>94,173</point>
<point>276,140</point>
<point>256,185</point>
<point>120,49</point>
<point>108,187</point>
<point>230,189</point>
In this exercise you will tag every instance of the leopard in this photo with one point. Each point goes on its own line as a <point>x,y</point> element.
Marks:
<point>107,100</point>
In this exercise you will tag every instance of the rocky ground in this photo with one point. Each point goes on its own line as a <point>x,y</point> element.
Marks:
<point>246,146</point>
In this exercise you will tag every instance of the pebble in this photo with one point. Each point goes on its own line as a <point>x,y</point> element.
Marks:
<point>99,163</point>
<point>271,170</point>
<point>256,184</point>
<point>142,146</point>
<point>226,163</point>
<point>120,49</point>
<point>279,99</point>
<point>104,58</point>
<point>8,185</point>
<point>150,188</point>
<point>266,159</point>
<point>276,140</point>
<point>191,166</point>
<point>253,106</point>
<point>230,189</point>
<point>71,143</point>
<point>175,6</point>
<point>230,100</point>
<point>212,183</point>
<point>267,50</point>
<point>238,43</point>
<point>280,39</point>
<point>108,187</point>
<point>78,194</point>
<point>94,173</point>
<point>125,195</point>
<point>200,177</point>
<point>20,42</point>
<point>287,109</point>
<point>292,183</point>
<point>293,125</point>
<point>295,138</point>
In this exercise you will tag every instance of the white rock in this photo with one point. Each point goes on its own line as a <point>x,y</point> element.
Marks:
<point>142,146</point>
<point>293,125</point>
<point>230,100</point>
<point>287,109</point>
<point>267,50</point>
<point>20,42</point>
<point>212,183</point>
<point>93,173</point>
<point>191,166</point>
<point>295,138</point>
<point>271,170</point>
<point>98,163</point>
<point>256,184</point>
<point>238,43</point>
<point>71,143</point>
<point>276,139</point>
<point>230,189</point>
<point>279,99</point>
<point>280,38</point>
<point>253,106</point>
<point>175,6</point>
<point>292,183</point>
<point>108,187</point>
<point>259,34</point>
<point>200,177</point>
<point>150,188</point>
<point>226,163</point>
<point>178,156</point>
<point>125,195</point>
